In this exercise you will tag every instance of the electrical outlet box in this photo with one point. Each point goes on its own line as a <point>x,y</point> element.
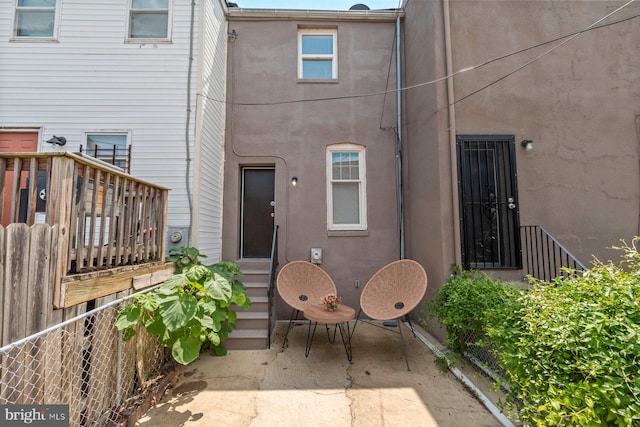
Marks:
<point>316,255</point>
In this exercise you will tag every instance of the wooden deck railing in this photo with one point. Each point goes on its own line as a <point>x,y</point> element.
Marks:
<point>109,222</point>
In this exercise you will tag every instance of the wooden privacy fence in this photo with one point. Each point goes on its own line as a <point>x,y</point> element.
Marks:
<point>27,258</point>
<point>111,226</point>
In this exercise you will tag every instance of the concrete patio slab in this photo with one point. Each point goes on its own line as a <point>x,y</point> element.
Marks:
<point>278,387</point>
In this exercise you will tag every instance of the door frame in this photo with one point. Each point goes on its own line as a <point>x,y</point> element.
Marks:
<point>505,198</point>
<point>5,203</point>
<point>243,168</point>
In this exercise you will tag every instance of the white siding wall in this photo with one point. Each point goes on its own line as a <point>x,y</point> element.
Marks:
<point>91,80</point>
<point>210,148</point>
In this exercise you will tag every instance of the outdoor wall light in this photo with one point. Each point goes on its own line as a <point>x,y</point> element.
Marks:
<point>60,140</point>
<point>527,144</point>
<point>294,181</point>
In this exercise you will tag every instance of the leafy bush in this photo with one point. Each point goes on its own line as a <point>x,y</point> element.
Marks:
<point>465,304</point>
<point>571,353</point>
<point>191,309</point>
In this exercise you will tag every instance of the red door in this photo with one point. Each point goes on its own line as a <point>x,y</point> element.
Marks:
<point>15,142</point>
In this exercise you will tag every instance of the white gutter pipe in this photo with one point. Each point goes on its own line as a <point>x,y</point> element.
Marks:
<point>455,208</point>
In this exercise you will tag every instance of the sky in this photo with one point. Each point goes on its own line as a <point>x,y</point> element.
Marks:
<point>315,4</point>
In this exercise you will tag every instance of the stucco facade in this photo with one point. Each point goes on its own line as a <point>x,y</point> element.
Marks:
<point>576,97</point>
<point>293,137</point>
<point>578,104</point>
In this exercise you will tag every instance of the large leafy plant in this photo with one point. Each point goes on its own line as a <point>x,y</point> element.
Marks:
<point>192,309</point>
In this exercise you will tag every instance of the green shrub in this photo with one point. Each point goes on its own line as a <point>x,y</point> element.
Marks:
<point>571,354</point>
<point>191,309</point>
<point>465,304</point>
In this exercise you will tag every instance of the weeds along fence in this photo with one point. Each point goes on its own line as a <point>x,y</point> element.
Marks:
<point>544,258</point>
<point>83,362</point>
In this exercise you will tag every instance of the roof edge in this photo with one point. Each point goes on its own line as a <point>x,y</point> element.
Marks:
<point>237,14</point>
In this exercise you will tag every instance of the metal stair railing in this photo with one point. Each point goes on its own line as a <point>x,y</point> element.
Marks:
<point>543,256</point>
<point>273,265</point>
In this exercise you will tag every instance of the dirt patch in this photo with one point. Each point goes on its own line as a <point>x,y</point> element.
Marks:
<point>136,406</point>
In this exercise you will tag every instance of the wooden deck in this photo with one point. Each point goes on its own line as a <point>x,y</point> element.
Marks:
<point>74,229</point>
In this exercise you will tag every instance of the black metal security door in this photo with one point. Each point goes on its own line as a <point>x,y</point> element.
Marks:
<point>489,215</point>
<point>258,211</point>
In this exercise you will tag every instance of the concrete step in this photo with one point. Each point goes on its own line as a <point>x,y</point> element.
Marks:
<point>256,289</point>
<point>254,264</point>
<point>254,276</point>
<point>252,320</point>
<point>252,332</point>
<point>247,339</point>
<point>254,270</point>
<point>259,304</point>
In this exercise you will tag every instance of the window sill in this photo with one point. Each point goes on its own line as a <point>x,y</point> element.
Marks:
<point>26,39</point>
<point>148,41</point>
<point>347,233</point>
<point>325,81</point>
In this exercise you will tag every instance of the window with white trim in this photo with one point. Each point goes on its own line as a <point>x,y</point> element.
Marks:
<point>346,187</point>
<point>317,54</point>
<point>110,147</point>
<point>35,18</point>
<point>149,19</point>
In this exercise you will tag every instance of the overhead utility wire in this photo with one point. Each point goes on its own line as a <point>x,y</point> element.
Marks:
<point>464,70</point>
<point>526,64</point>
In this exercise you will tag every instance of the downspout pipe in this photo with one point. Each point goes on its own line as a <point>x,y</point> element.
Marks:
<point>187,127</point>
<point>399,138</point>
<point>455,207</point>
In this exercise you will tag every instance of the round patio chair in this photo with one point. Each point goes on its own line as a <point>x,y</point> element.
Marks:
<point>393,292</point>
<point>301,283</point>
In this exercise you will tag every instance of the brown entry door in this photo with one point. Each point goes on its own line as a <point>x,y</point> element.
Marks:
<point>258,211</point>
<point>15,142</point>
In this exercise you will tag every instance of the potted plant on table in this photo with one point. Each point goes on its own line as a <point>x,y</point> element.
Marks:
<point>331,302</point>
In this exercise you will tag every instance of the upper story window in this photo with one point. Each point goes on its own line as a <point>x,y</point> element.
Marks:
<point>346,187</point>
<point>149,19</point>
<point>317,54</point>
<point>35,19</point>
<point>109,147</point>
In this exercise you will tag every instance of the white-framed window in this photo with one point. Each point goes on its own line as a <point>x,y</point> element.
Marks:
<point>318,54</point>
<point>110,147</point>
<point>35,19</point>
<point>346,187</point>
<point>149,20</point>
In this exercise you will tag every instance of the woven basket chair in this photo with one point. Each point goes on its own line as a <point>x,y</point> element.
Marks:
<point>300,284</point>
<point>394,291</point>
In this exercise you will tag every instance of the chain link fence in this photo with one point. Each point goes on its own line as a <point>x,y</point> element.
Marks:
<point>83,363</point>
<point>482,357</point>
